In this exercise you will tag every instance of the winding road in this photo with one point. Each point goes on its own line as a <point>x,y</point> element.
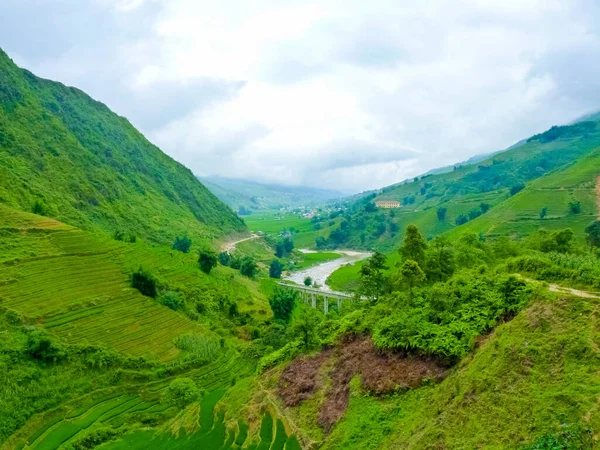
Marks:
<point>230,246</point>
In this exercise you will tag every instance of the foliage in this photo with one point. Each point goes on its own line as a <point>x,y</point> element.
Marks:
<point>593,234</point>
<point>575,207</point>
<point>224,258</point>
<point>182,244</point>
<point>181,392</point>
<point>201,349</point>
<point>414,245</point>
<point>461,219</point>
<point>305,325</point>
<point>516,188</point>
<point>373,282</point>
<point>144,282</point>
<point>41,346</point>
<point>543,212</point>
<point>282,303</point>
<point>248,267</point>
<point>207,260</point>
<point>275,269</point>
<point>308,281</point>
<point>171,299</point>
<point>412,274</point>
<point>284,247</point>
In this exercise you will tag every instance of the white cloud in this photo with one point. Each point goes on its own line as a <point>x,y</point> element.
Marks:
<point>350,94</point>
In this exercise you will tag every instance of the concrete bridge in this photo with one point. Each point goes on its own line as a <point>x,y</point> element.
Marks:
<point>310,294</point>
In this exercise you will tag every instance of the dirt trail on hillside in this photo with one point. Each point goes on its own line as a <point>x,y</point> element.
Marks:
<point>230,246</point>
<point>575,292</point>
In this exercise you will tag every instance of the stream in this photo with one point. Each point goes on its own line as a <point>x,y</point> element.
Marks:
<point>320,272</point>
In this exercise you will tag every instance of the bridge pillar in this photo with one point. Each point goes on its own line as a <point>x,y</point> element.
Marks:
<point>326,305</point>
<point>339,302</point>
<point>314,300</point>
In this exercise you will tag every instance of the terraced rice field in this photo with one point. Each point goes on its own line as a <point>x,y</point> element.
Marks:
<point>77,285</point>
<point>123,409</point>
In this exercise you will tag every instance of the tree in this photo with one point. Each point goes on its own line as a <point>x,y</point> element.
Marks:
<point>593,234</point>
<point>144,282</point>
<point>440,259</point>
<point>181,392</point>
<point>474,214</point>
<point>543,212</point>
<point>242,211</point>
<point>248,266</point>
<point>284,247</point>
<point>282,303</point>
<point>308,281</point>
<point>306,326</point>
<point>373,282</point>
<point>207,259</point>
<point>414,245</point>
<point>575,207</point>
<point>288,245</point>
<point>441,214</point>
<point>461,219</point>
<point>38,208</point>
<point>172,300</point>
<point>182,244</point>
<point>516,189</point>
<point>485,207</point>
<point>275,269</point>
<point>320,242</point>
<point>224,258</point>
<point>412,274</point>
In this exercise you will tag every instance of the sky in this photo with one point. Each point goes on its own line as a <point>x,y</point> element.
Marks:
<point>347,95</point>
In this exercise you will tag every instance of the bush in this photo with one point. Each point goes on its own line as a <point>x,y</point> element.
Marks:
<point>182,244</point>
<point>282,303</point>
<point>144,282</point>
<point>575,207</point>
<point>224,259</point>
<point>207,259</point>
<point>40,346</point>
<point>248,267</point>
<point>461,220</point>
<point>308,281</point>
<point>171,299</point>
<point>181,392</point>
<point>516,189</point>
<point>275,269</point>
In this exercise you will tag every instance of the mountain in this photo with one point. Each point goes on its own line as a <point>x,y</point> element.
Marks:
<point>68,156</point>
<point>466,192</point>
<point>257,196</point>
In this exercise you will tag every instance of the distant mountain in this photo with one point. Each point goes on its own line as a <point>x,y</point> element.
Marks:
<point>256,196</point>
<point>477,189</point>
<point>65,155</point>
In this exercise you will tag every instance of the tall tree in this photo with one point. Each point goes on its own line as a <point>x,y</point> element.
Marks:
<point>414,246</point>
<point>275,269</point>
<point>440,263</point>
<point>412,274</point>
<point>207,259</point>
<point>282,303</point>
<point>593,234</point>
<point>373,281</point>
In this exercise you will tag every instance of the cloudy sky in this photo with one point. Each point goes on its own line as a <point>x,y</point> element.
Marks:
<point>349,95</point>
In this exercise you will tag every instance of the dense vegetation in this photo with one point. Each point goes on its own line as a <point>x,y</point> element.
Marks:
<point>67,156</point>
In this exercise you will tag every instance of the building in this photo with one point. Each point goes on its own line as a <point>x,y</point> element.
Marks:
<point>387,204</point>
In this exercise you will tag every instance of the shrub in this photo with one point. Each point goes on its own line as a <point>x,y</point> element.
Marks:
<point>224,258</point>
<point>441,214</point>
<point>282,303</point>
<point>38,208</point>
<point>461,219</point>
<point>575,207</point>
<point>207,259</point>
<point>40,346</point>
<point>144,282</point>
<point>181,392</point>
<point>543,212</point>
<point>516,189</point>
<point>275,269</point>
<point>182,244</point>
<point>308,281</point>
<point>171,299</point>
<point>248,267</point>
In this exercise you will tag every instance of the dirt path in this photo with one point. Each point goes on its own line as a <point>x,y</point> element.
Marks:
<point>230,246</point>
<point>575,292</point>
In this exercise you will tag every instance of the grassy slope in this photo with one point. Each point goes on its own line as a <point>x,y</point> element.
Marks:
<point>467,187</point>
<point>520,213</point>
<point>536,375</point>
<point>92,169</point>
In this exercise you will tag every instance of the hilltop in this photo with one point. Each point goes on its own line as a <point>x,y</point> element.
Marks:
<point>67,156</point>
<point>254,196</point>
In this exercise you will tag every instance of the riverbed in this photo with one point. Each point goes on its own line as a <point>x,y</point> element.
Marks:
<point>321,272</point>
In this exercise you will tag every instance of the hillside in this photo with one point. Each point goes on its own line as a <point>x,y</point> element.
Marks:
<point>66,156</point>
<point>440,203</point>
<point>257,196</point>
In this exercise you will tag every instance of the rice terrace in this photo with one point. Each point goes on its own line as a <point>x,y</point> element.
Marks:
<point>299,225</point>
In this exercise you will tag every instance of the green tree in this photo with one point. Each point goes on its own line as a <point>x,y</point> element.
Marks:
<point>308,281</point>
<point>182,244</point>
<point>485,207</point>
<point>516,189</point>
<point>575,207</point>
<point>543,212</point>
<point>593,234</point>
<point>282,303</point>
<point>305,326</point>
<point>207,259</point>
<point>144,282</point>
<point>373,282</point>
<point>275,269</point>
<point>171,299</point>
<point>412,274</point>
<point>440,259</point>
<point>224,258</point>
<point>441,213</point>
<point>181,392</point>
<point>414,245</point>
<point>461,220</point>
<point>248,267</point>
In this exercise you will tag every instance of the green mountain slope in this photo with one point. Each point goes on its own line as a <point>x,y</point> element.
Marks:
<point>79,162</point>
<point>465,193</point>
<point>257,196</point>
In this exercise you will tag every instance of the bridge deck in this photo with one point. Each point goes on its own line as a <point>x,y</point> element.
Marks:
<point>316,291</point>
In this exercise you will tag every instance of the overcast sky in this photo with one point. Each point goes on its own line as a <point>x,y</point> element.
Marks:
<point>349,95</point>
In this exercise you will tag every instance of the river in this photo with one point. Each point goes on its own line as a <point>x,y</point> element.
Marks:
<point>321,272</point>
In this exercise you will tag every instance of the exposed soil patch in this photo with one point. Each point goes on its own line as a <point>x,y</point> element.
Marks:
<point>300,379</point>
<point>381,373</point>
